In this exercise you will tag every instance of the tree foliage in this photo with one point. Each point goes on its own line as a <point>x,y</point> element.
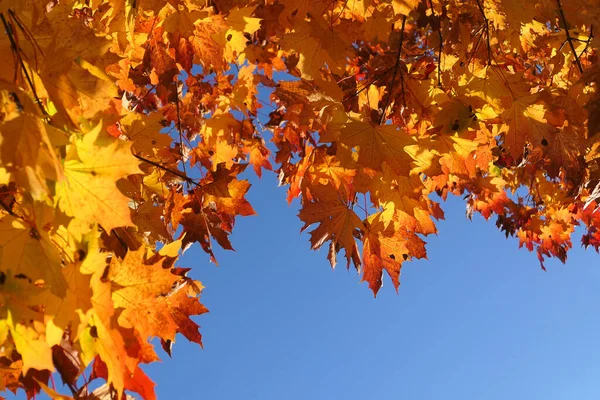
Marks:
<point>125,126</point>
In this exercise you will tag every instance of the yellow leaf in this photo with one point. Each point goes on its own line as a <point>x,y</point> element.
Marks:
<point>144,132</point>
<point>377,144</point>
<point>240,23</point>
<point>139,289</point>
<point>26,249</point>
<point>404,7</point>
<point>34,350</point>
<point>89,191</point>
<point>337,222</point>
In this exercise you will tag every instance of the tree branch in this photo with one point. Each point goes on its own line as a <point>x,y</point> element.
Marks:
<point>7,208</point>
<point>569,38</point>
<point>487,32</point>
<point>366,86</point>
<point>177,173</point>
<point>15,48</point>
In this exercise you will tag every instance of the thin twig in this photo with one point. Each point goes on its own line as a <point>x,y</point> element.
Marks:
<point>177,173</point>
<point>487,32</point>
<point>396,67</point>
<point>138,101</point>
<point>474,51</point>
<point>366,86</point>
<point>15,18</point>
<point>569,38</point>
<point>15,49</point>
<point>7,208</point>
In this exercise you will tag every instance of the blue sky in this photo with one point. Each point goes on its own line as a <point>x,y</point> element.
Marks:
<point>479,320</point>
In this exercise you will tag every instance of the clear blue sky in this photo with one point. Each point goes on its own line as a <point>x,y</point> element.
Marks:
<point>479,320</point>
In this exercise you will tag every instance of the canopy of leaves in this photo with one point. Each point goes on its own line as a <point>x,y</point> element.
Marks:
<point>125,126</point>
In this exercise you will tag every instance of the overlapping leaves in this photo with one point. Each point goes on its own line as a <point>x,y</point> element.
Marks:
<point>125,126</point>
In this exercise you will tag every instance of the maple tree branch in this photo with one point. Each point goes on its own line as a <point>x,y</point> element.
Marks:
<point>139,100</point>
<point>15,48</point>
<point>366,86</point>
<point>487,32</point>
<point>7,208</point>
<point>396,68</point>
<point>26,32</point>
<point>177,173</point>
<point>476,46</point>
<point>569,38</point>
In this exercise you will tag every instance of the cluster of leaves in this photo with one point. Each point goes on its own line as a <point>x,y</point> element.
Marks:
<point>125,124</point>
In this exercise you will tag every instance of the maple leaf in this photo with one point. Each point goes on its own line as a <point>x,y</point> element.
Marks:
<point>233,201</point>
<point>377,144</point>
<point>31,345</point>
<point>317,45</point>
<point>109,345</point>
<point>144,132</point>
<point>526,123</point>
<point>139,289</point>
<point>386,248</point>
<point>66,310</point>
<point>184,303</point>
<point>27,146</point>
<point>148,219</point>
<point>89,192</point>
<point>337,223</point>
<point>402,199</point>
<point>27,249</point>
<point>240,22</point>
<point>259,157</point>
<point>404,6</point>
<point>71,72</point>
<point>328,169</point>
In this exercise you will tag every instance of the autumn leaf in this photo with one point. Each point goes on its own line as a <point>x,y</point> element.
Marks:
<point>139,289</point>
<point>26,249</point>
<point>337,223</point>
<point>526,123</point>
<point>385,249</point>
<point>378,144</point>
<point>31,345</point>
<point>89,192</point>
